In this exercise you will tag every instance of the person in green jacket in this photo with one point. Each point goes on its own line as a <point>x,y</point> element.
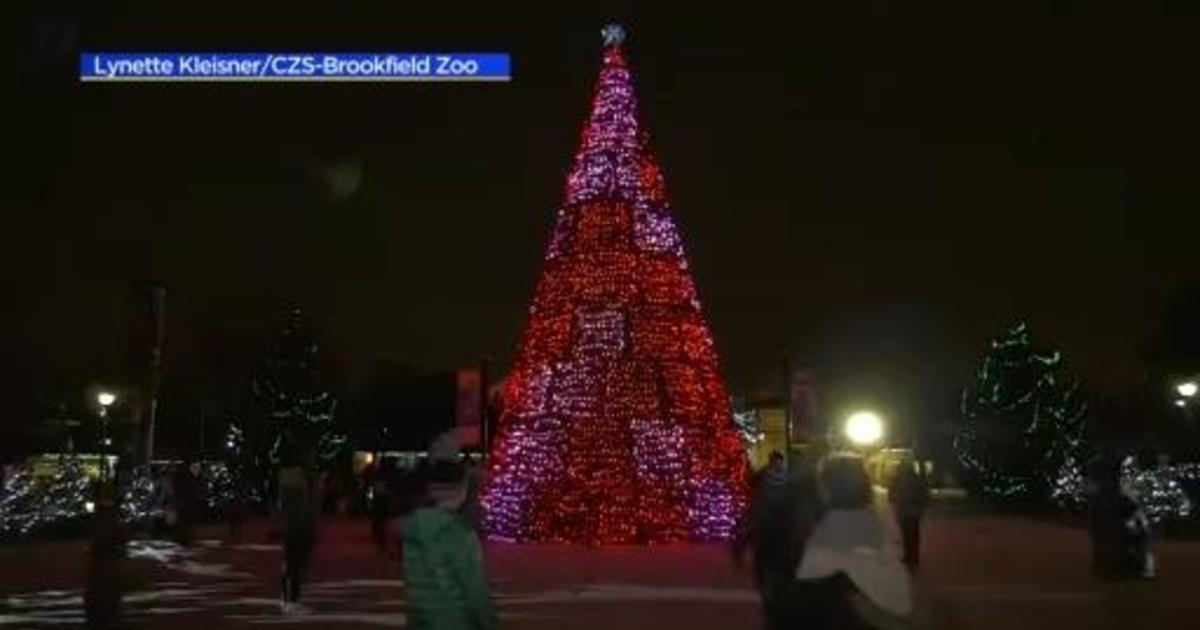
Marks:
<point>443,560</point>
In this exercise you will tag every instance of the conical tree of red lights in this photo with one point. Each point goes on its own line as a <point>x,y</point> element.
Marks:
<point>617,426</point>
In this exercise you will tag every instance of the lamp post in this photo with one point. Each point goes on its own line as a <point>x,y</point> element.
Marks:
<point>1186,400</point>
<point>105,399</point>
<point>103,594</point>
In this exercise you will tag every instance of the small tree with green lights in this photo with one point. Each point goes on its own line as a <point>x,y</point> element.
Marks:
<point>293,402</point>
<point>1022,436</point>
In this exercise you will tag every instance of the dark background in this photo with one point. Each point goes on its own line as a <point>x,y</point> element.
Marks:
<point>874,189</point>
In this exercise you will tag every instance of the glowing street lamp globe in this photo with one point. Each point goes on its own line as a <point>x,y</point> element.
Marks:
<point>864,428</point>
<point>106,398</point>
<point>1187,389</point>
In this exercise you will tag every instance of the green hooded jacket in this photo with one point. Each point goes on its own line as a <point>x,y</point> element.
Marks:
<point>443,571</point>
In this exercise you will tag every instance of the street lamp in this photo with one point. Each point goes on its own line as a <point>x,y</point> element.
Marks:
<point>105,399</point>
<point>1186,391</point>
<point>864,428</point>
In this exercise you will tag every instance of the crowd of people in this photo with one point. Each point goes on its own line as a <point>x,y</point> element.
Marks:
<point>425,518</point>
<point>824,553</point>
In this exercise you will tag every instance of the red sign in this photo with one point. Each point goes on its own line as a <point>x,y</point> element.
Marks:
<point>469,407</point>
<point>803,396</point>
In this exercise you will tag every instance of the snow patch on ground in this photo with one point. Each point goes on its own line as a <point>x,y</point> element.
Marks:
<point>210,570</point>
<point>258,547</point>
<point>39,619</point>
<point>337,585</point>
<point>60,599</point>
<point>1015,593</point>
<point>389,620</point>
<point>632,593</point>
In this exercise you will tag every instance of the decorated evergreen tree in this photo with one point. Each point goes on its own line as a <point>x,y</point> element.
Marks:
<point>30,504</point>
<point>1161,490</point>
<point>294,404</point>
<point>139,496</point>
<point>616,425</point>
<point>1023,424</point>
<point>749,426</point>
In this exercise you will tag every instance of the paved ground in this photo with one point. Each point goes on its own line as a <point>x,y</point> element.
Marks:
<point>980,573</point>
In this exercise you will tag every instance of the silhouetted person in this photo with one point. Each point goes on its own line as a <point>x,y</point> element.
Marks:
<point>329,493</point>
<point>102,599</point>
<point>298,512</point>
<point>1118,526</point>
<point>782,514</point>
<point>188,495</point>
<point>165,514</point>
<point>909,495</point>
<point>381,505</point>
<point>850,576</point>
<point>471,510</point>
<point>239,505</point>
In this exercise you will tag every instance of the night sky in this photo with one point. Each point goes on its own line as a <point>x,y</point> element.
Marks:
<point>873,190</point>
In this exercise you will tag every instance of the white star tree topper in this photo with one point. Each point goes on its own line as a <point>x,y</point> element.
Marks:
<point>613,35</point>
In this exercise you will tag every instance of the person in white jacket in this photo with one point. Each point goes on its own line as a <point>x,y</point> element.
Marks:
<point>851,575</point>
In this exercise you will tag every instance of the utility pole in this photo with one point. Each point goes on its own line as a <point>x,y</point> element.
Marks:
<point>484,411</point>
<point>158,319</point>
<point>787,407</point>
<point>202,419</point>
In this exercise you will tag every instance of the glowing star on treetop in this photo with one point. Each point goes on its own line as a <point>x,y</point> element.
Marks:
<point>616,425</point>
<point>613,35</point>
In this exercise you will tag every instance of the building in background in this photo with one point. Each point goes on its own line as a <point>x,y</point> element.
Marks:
<point>775,416</point>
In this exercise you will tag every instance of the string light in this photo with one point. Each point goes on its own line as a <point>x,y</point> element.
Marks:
<point>1022,434</point>
<point>296,406</point>
<point>749,426</point>
<point>617,426</point>
<point>1162,491</point>
<point>32,504</point>
<point>219,486</point>
<point>140,496</point>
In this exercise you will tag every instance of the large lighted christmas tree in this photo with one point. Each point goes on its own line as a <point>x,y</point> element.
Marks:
<point>1023,425</point>
<point>616,426</point>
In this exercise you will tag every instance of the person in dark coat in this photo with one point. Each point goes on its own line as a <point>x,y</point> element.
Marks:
<point>299,508</point>
<point>188,495</point>
<point>381,503</point>
<point>239,505</point>
<point>329,493</point>
<point>1119,528</point>
<point>102,597</point>
<point>471,510</point>
<point>781,516</point>
<point>165,512</point>
<point>908,493</point>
